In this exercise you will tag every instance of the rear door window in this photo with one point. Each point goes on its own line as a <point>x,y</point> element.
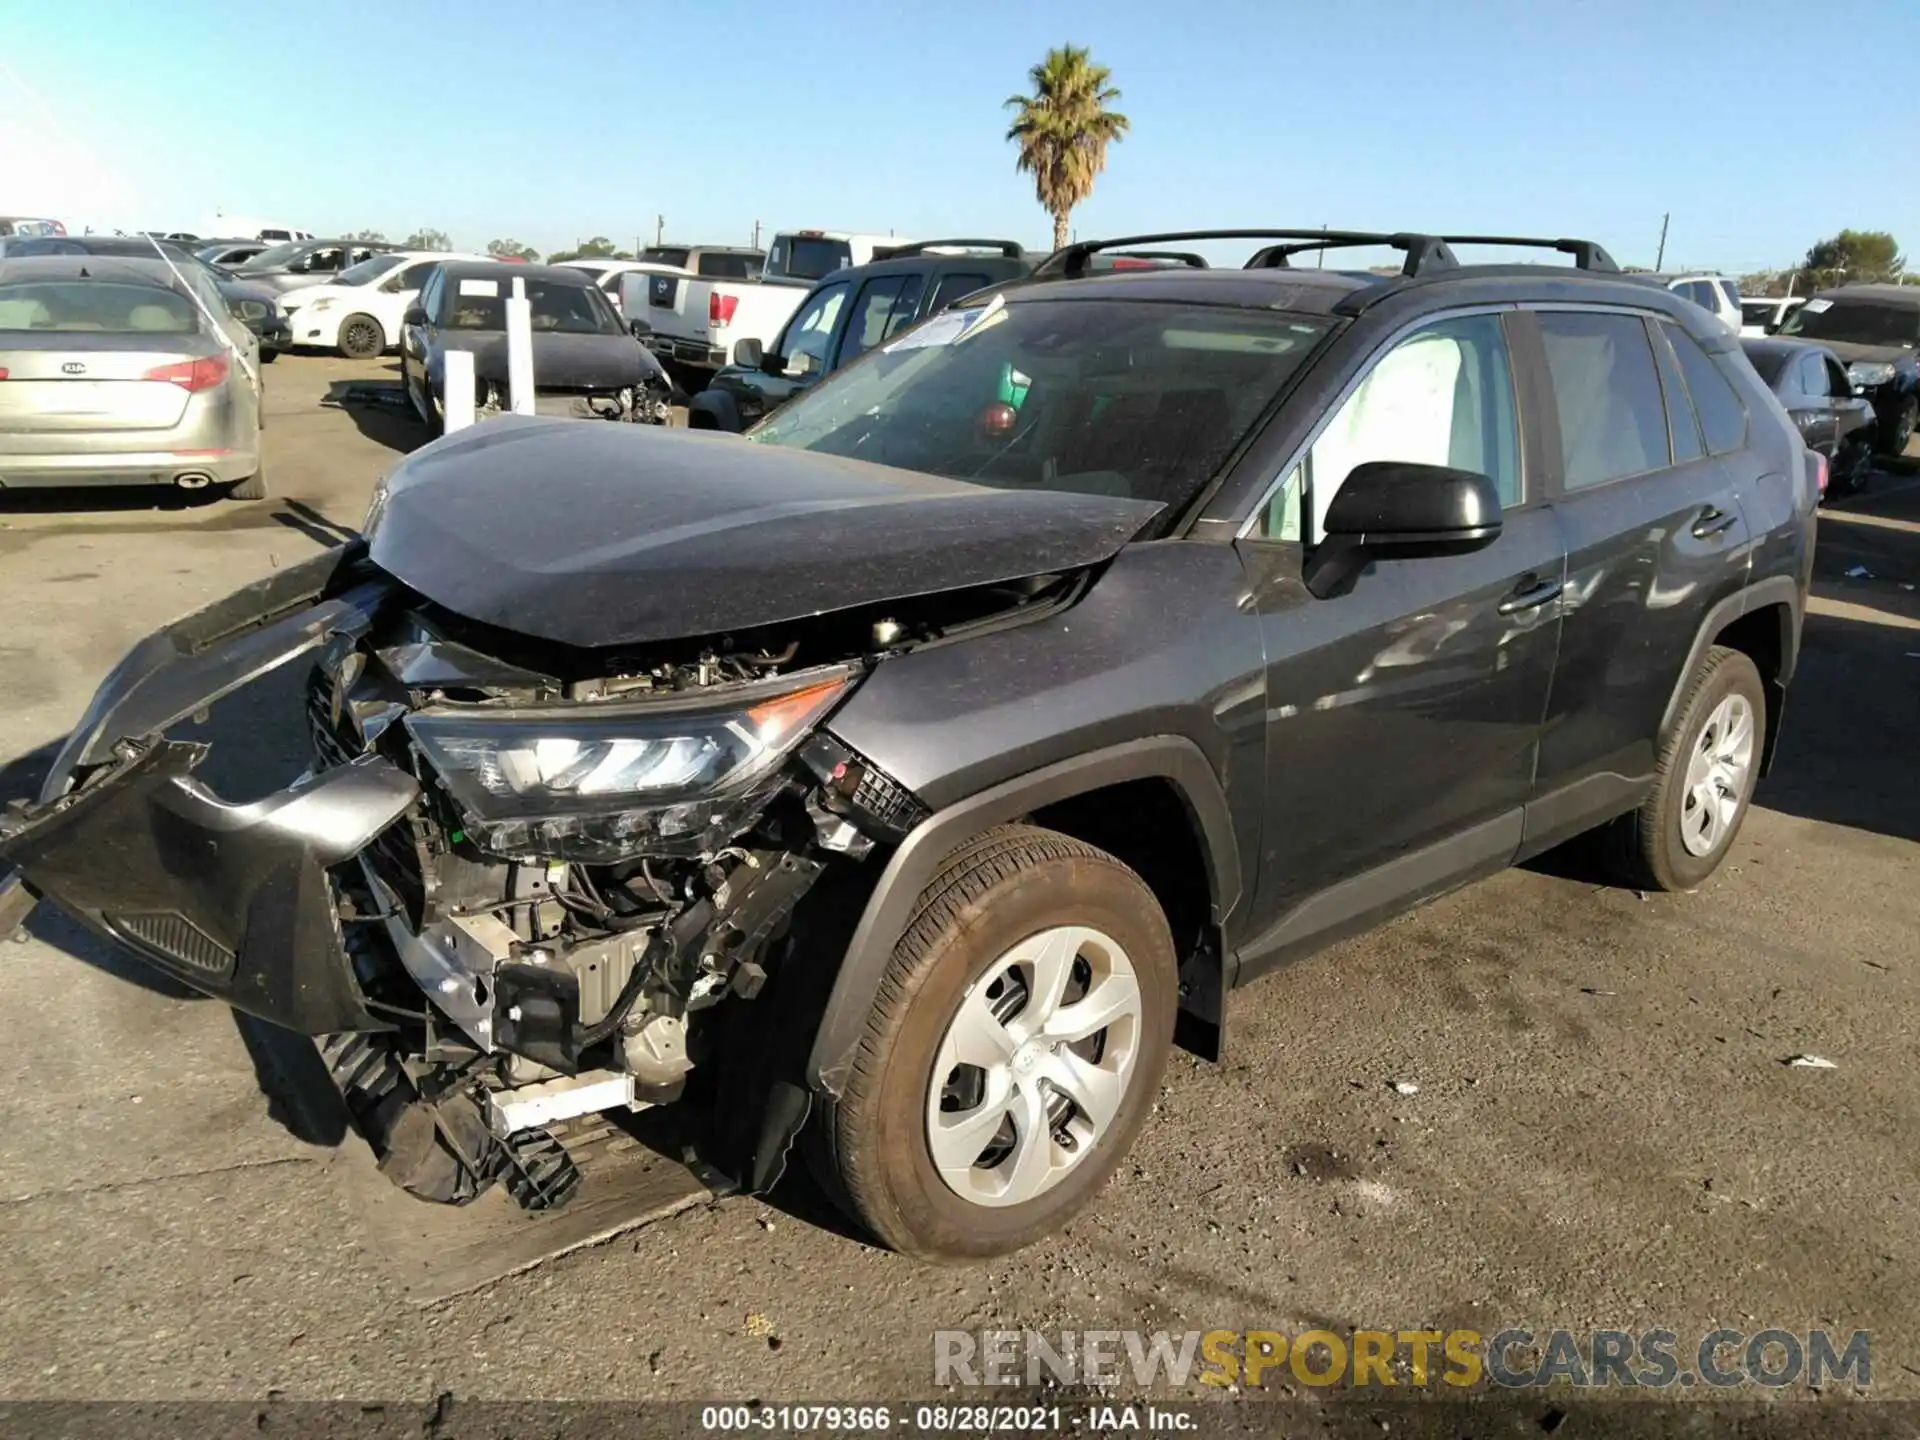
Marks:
<point>1613,422</point>
<point>1723,419</point>
<point>1813,376</point>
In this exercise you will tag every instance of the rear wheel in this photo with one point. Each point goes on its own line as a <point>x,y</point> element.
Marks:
<point>1013,1050</point>
<point>361,337</point>
<point>1706,774</point>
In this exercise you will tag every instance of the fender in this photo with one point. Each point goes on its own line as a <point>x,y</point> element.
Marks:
<point>890,908</point>
<point>1773,590</point>
<point>717,405</point>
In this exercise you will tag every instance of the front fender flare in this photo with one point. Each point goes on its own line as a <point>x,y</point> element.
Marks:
<point>889,910</point>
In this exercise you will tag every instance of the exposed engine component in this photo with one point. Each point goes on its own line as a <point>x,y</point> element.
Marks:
<point>650,403</point>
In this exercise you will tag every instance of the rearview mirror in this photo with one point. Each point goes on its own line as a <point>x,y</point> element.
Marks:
<point>749,354</point>
<point>1399,510</point>
<point>414,316</point>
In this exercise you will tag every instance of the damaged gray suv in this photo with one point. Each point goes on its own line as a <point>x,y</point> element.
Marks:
<point>899,777</point>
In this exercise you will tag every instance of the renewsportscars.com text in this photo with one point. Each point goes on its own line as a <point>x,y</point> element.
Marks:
<point>1515,1358</point>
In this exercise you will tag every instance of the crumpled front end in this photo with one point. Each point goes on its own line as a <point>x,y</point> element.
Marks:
<point>521,882</point>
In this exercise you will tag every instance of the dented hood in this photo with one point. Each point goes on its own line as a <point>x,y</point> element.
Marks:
<point>592,533</point>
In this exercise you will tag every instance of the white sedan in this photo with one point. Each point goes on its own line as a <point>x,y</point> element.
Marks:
<point>359,313</point>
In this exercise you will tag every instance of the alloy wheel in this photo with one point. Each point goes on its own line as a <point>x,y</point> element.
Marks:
<point>1033,1067</point>
<point>1718,772</point>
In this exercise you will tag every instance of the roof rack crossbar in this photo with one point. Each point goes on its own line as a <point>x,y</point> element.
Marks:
<point>1183,257</point>
<point>1012,249</point>
<point>1425,253</point>
<point>1587,254</point>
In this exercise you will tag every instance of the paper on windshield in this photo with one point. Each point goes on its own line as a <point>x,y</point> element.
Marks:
<point>483,289</point>
<point>1814,307</point>
<point>952,327</point>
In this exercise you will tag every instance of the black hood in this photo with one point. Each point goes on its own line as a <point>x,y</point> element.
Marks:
<point>594,534</point>
<point>1850,352</point>
<point>565,362</point>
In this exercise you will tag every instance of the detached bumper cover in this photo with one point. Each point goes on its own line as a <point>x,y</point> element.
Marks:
<point>232,900</point>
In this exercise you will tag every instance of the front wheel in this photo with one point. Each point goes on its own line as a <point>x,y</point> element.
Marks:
<point>1013,1051</point>
<point>1706,773</point>
<point>1897,429</point>
<point>361,337</point>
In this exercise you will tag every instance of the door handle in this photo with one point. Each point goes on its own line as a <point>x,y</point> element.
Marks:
<point>1712,521</point>
<point>1530,597</point>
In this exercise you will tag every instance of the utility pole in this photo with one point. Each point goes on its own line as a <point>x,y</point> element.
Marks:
<point>1660,258</point>
<point>1320,255</point>
<point>659,230</point>
<point>756,234</point>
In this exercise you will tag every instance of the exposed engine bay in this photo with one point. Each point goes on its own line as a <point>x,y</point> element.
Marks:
<point>648,403</point>
<point>602,853</point>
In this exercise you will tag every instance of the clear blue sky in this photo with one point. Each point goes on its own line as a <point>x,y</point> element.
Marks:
<point>1753,121</point>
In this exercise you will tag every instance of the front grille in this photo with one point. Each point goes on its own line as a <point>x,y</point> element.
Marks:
<point>178,939</point>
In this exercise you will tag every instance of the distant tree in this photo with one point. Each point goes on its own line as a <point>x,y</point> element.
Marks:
<point>1852,256</point>
<point>377,237</point>
<point>428,240</point>
<point>511,250</point>
<point>598,248</point>
<point>1063,129</point>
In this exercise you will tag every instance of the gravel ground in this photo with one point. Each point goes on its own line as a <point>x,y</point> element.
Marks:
<point>1604,1134</point>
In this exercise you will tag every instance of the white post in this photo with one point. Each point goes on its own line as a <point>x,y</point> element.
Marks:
<point>520,349</point>
<point>458,390</point>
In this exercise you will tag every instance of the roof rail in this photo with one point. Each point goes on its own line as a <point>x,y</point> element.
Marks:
<point>1012,249</point>
<point>1425,254</point>
<point>1587,254</point>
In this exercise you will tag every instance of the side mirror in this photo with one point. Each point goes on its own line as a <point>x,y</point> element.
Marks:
<point>415,316</point>
<point>639,329</point>
<point>749,354</point>
<point>1399,510</point>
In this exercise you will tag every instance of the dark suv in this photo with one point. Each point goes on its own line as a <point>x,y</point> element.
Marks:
<point>846,315</point>
<point>920,758</point>
<point>1875,330</point>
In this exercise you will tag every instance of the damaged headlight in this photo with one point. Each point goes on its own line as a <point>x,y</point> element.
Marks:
<point>590,782</point>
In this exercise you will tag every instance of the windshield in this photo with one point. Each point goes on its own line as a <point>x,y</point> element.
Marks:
<point>92,305</point>
<point>367,271</point>
<point>480,304</point>
<point>805,257</point>
<point>275,255</point>
<point>1104,397</point>
<point>1855,322</point>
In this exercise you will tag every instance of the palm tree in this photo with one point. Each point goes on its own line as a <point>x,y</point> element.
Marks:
<point>1063,130</point>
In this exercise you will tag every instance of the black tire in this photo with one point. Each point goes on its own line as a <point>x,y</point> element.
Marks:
<point>267,357</point>
<point>1897,429</point>
<point>1646,850</point>
<point>361,337</point>
<point>1005,886</point>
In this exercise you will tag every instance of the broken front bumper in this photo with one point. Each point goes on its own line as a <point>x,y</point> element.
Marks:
<point>232,900</point>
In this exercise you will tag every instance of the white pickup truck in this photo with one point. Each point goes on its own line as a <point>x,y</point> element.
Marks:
<point>697,321</point>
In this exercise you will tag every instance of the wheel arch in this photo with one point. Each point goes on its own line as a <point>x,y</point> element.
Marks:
<point>1085,796</point>
<point>1761,621</point>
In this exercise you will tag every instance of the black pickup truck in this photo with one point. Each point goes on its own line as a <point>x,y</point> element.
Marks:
<point>845,315</point>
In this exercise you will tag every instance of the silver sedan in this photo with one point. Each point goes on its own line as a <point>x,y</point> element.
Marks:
<point>125,372</point>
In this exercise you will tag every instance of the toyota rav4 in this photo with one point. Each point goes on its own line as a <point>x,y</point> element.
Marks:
<point>900,775</point>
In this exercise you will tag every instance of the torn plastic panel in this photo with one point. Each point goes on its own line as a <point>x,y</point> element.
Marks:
<point>232,900</point>
<point>212,653</point>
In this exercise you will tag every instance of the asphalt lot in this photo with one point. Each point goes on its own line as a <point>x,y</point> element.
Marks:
<point>1605,1133</point>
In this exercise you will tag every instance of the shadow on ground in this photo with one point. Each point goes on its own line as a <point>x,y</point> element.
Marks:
<point>380,410</point>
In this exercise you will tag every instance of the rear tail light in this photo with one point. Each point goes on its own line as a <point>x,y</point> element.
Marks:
<point>3,372</point>
<point>191,375</point>
<point>720,308</point>
<point>1820,472</point>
